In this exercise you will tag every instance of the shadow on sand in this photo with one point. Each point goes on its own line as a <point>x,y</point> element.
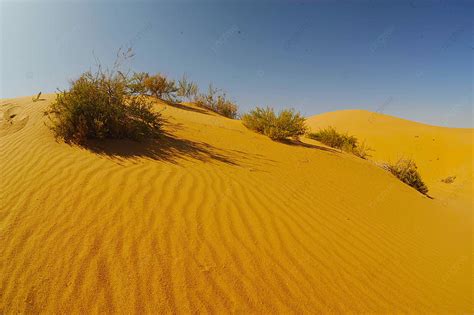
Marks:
<point>186,107</point>
<point>164,147</point>
<point>308,145</point>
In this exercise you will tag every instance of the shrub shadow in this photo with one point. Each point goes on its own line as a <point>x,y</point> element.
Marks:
<point>308,145</point>
<point>185,107</point>
<point>165,146</point>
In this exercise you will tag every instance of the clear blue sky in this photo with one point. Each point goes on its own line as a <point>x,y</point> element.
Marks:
<point>412,59</point>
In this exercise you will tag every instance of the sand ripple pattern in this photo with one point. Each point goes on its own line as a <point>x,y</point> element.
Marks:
<point>275,231</point>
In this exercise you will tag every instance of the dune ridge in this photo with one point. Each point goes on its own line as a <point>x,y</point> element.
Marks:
<point>218,219</point>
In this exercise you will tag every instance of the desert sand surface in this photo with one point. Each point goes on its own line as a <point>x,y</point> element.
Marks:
<point>439,152</point>
<point>214,218</point>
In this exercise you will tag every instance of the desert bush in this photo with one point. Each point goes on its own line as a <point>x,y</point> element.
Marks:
<point>187,89</point>
<point>343,141</point>
<point>329,136</point>
<point>286,124</point>
<point>225,107</point>
<point>99,106</point>
<point>407,171</point>
<point>360,150</point>
<point>448,180</point>
<point>160,86</point>
<point>136,83</point>
<point>218,102</point>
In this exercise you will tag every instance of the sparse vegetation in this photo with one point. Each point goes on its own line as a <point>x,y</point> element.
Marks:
<point>407,171</point>
<point>160,86</point>
<point>217,101</point>
<point>102,105</point>
<point>329,136</point>
<point>361,150</point>
<point>187,89</point>
<point>136,83</point>
<point>448,180</point>
<point>286,124</point>
<point>343,141</point>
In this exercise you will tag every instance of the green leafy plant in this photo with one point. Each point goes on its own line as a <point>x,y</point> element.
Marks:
<point>407,171</point>
<point>286,124</point>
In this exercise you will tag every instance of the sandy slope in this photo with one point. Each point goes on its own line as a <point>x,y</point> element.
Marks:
<point>217,219</point>
<point>439,152</point>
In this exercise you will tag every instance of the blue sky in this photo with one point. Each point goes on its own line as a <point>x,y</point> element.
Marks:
<point>411,59</point>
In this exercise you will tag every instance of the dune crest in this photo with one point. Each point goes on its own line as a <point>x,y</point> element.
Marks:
<point>216,218</point>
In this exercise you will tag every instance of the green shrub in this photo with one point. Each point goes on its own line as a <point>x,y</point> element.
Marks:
<point>407,171</point>
<point>330,137</point>
<point>217,101</point>
<point>102,105</point>
<point>286,124</point>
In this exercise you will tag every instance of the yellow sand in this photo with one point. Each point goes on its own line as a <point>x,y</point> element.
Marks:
<point>217,219</point>
<point>439,152</point>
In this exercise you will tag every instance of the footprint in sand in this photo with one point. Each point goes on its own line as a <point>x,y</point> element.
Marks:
<point>12,119</point>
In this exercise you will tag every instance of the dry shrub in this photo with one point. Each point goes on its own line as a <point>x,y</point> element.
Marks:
<point>343,141</point>
<point>330,137</point>
<point>217,101</point>
<point>407,171</point>
<point>160,86</point>
<point>99,106</point>
<point>136,83</point>
<point>286,124</point>
<point>448,180</point>
<point>187,89</point>
<point>361,150</point>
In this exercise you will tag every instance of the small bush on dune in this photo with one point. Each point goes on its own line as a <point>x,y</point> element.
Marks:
<point>361,150</point>
<point>225,107</point>
<point>330,137</point>
<point>207,100</point>
<point>407,171</point>
<point>160,86</point>
<point>448,180</point>
<point>286,124</point>
<point>102,105</point>
<point>136,83</point>
<point>187,89</point>
<point>217,101</point>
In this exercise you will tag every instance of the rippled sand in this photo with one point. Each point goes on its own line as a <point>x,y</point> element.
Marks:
<point>216,219</point>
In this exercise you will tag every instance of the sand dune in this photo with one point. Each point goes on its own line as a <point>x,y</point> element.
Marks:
<point>216,219</point>
<point>438,151</point>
